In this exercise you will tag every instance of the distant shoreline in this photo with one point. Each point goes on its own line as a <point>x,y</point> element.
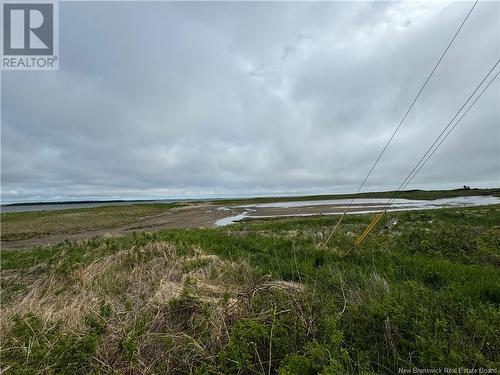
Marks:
<point>40,203</point>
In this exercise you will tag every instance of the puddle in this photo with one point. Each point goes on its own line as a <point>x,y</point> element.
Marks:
<point>230,219</point>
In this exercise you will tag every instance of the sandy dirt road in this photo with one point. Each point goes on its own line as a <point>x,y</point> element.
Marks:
<point>194,216</point>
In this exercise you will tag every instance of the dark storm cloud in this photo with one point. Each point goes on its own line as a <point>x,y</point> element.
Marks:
<point>196,99</point>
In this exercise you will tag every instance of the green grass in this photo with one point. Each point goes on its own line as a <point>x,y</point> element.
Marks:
<point>25,225</point>
<point>425,294</point>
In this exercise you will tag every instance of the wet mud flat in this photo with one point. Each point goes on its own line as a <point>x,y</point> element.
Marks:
<point>338,206</point>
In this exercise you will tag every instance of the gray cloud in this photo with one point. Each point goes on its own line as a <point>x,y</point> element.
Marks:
<point>198,99</point>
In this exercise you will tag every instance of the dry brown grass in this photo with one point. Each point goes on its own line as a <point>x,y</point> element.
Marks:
<point>166,307</point>
<point>115,278</point>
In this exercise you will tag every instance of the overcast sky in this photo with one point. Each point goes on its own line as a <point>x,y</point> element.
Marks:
<point>160,100</point>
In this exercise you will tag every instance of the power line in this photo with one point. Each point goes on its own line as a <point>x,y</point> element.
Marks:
<point>449,124</point>
<point>431,150</point>
<point>402,121</point>
<point>449,132</point>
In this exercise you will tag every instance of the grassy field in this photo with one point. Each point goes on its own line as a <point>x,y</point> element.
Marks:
<point>25,225</point>
<point>260,297</point>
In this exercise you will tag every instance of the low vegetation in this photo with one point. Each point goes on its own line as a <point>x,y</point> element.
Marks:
<point>261,297</point>
<point>25,225</point>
